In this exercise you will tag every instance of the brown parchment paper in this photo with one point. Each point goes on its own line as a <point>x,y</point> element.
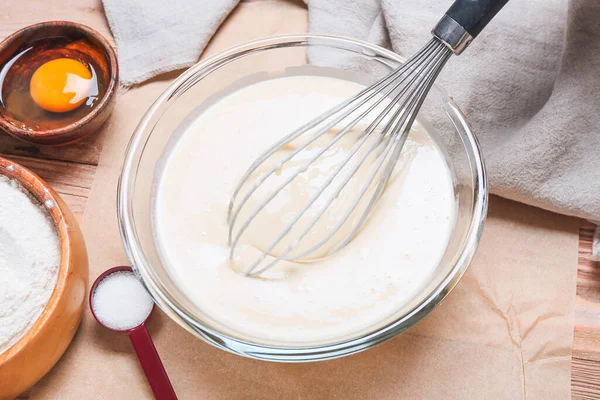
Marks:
<point>505,332</point>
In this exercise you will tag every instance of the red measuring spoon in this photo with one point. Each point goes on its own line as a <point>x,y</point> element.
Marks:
<point>143,345</point>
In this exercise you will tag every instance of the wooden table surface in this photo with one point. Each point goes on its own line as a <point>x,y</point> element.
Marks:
<point>70,170</point>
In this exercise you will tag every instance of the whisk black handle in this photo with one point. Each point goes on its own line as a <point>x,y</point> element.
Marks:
<point>464,20</point>
<point>474,15</point>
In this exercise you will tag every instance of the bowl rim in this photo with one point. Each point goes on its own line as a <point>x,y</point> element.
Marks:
<point>140,265</point>
<point>27,135</point>
<point>44,194</point>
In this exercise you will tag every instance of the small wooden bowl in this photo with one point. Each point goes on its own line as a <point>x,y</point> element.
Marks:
<point>35,354</point>
<point>100,50</point>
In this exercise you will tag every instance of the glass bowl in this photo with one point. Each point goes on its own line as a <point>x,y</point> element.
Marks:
<point>266,59</point>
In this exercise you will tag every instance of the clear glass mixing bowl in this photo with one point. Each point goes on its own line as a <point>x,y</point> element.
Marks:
<point>266,59</point>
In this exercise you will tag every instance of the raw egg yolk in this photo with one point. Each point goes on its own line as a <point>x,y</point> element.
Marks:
<point>61,85</point>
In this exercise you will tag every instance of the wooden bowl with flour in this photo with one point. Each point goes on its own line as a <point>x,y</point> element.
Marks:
<point>36,352</point>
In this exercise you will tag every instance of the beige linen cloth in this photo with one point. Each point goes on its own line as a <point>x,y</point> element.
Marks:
<point>529,83</point>
<point>505,332</point>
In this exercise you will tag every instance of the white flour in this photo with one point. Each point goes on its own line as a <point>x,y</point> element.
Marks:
<point>29,261</point>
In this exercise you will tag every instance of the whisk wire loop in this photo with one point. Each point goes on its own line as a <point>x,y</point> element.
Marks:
<point>407,87</point>
<point>407,122</point>
<point>383,84</point>
<point>361,194</point>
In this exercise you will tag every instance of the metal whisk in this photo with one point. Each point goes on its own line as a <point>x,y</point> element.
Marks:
<point>394,101</point>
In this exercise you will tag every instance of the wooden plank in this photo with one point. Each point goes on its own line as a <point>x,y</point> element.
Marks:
<point>86,151</point>
<point>587,313</point>
<point>18,14</point>
<point>73,181</point>
<point>585,366</point>
<point>589,271</point>
<point>584,380</point>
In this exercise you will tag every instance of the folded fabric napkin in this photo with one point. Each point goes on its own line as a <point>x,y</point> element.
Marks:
<point>529,83</point>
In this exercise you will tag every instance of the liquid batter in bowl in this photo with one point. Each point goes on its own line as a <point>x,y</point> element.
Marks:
<point>340,296</point>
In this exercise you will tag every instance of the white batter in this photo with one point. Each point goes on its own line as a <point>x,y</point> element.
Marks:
<point>350,292</point>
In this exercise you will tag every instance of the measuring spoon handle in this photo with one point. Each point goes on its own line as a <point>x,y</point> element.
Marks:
<point>153,367</point>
